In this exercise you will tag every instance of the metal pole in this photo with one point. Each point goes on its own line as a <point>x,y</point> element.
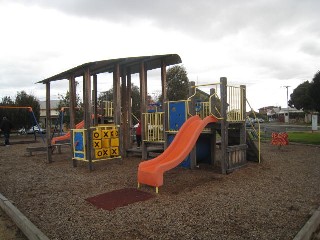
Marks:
<point>287,87</point>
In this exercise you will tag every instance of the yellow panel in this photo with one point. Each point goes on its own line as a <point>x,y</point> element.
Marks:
<point>114,133</point>
<point>97,144</point>
<point>96,134</point>
<point>106,133</point>
<point>114,151</point>
<point>114,142</point>
<point>105,152</point>
<point>105,142</point>
<point>98,153</point>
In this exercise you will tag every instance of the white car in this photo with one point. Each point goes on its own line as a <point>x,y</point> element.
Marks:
<point>35,129</point>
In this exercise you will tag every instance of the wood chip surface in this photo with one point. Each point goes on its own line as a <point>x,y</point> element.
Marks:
<point>271,200</point>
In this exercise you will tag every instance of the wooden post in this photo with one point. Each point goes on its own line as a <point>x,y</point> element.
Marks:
<point>95,99</point>
<point>243,133</point>
<point>117,102</point>
<point>192,105</point>
<point>72,110</point>
<point>143,106</point>
<point>192,110</point>
<point>243,104</point>
<point>88,115</point>
<point>129,107</point>
<point>213,137</point>
<point>48,123</point>
<point>124,125</point>
<point>224,124</point>
<point>116,94</point>
<point>164,101</point>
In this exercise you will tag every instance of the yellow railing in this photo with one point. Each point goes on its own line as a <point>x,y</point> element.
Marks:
<point>256,131</point>
<point>236,104</point>
<point>203,110</point>
<point>108,110</point>
<point>153,127</point>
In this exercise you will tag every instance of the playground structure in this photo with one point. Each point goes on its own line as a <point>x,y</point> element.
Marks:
<point>191,143</point>
<point>122,69</point>
<point>227,104</point>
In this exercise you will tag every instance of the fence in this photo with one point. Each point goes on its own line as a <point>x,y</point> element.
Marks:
<point>108,110</point>
<point>153,127</point>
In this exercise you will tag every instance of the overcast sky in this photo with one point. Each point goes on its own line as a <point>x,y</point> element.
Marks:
<point>264,44</point>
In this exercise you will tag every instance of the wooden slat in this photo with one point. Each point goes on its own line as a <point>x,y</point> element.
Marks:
<point>23,223</point>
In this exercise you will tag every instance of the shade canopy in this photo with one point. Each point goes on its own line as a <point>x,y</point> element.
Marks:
<point>151,62</point>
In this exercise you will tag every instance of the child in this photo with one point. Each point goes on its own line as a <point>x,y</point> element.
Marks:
<point>138,135</point>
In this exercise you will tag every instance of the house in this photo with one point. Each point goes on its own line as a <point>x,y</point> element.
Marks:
<point>54,112</point>
<point>290,114</point>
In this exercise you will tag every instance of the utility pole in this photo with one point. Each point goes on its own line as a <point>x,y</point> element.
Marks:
<point>287,87</point>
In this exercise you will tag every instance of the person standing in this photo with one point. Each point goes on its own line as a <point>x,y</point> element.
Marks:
<point>138,135</point>
<point>6,127</point>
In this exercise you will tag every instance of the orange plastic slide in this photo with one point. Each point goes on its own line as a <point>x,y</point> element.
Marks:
<point>151,172</point>
<point>67,135</point>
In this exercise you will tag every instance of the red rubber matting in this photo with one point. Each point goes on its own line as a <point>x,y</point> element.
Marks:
<point>119,198</point>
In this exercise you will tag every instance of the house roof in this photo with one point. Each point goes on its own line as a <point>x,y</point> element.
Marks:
<point>53,104</point>
<point>152,62</point>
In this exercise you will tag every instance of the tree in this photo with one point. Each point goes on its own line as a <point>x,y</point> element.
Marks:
<point>178,83</point>
<point>27,100</point>
<point>135,95</point>
<point>306,96</point>
<point>314,91</point>
<point>11,114</point>
<point>21,117</point>
<point>64,101</point>
<point>300,98</point>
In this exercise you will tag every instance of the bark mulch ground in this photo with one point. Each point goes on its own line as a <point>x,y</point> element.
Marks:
<point>271,200</point>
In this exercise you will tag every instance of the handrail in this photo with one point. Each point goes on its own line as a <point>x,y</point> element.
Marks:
<point>205,85</point>
<point>258,133</point>
<point>210,107</point>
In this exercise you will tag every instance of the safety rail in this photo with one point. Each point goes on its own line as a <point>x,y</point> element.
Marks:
<point>108,110</point>
<point>256,132</point>
<point>236,104</point>
<point>204,109</point>
<point>153,127</point>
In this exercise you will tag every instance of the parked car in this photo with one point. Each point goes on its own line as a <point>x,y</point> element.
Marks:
<point>249,123</point>
<point>22,131</point>
<point>36,129</point>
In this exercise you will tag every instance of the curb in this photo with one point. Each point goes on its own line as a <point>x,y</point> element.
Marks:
<point>310,227</point>
<point>25,225</point>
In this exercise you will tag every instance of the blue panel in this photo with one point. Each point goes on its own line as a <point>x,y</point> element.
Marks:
<point>78,141</point>
<point>204,149</point>
<point>79,155</point>
<point>177,115</point>
<point>185,163</point>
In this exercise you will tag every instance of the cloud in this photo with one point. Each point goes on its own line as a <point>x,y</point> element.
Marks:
<point>246,41</point>
<point>205,19</point>
<point>311,47</point>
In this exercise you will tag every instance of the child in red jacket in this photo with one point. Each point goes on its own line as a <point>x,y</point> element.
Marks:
<point>138,135</point>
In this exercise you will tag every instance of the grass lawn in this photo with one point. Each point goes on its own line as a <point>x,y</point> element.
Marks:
<point>305,137</point>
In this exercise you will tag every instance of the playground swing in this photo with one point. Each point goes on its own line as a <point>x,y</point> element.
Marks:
<point>33,118</point>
